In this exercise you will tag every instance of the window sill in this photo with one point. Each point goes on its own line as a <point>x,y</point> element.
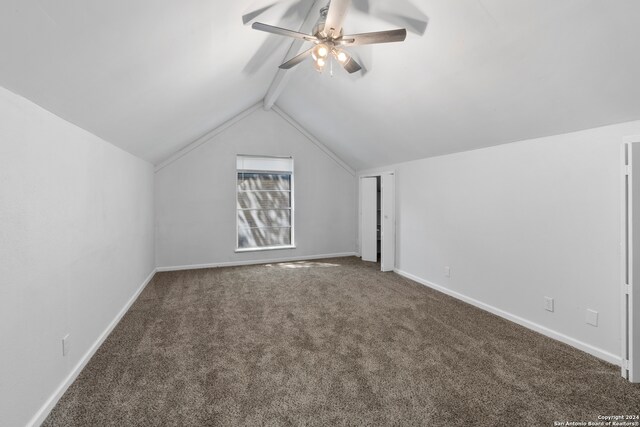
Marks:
<point>270,248</point>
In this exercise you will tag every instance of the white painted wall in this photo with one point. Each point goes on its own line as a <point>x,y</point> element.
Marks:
<point>196,197</point>
<point>76,243</point>
<point>519,222</point>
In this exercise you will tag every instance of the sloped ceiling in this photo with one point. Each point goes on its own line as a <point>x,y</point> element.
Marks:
<point>147,75</point>
<point>485,72</point>
<point>151,76</point>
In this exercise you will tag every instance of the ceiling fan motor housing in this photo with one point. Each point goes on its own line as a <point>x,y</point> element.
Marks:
<point>329,39</point>
<point>319,29</point>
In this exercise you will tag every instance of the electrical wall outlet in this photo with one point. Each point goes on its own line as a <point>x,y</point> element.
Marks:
<point>447,272</point>
<point>66,345</point>
<point>548,304</point>
<point>592,317</point>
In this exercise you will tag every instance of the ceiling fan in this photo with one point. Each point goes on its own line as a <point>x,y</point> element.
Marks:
<point>329,40</point>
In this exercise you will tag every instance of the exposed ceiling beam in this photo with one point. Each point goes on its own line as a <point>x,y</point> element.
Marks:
<point>282,76</point>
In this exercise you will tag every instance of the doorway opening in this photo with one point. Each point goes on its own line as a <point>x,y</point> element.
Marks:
<point>377,219</point>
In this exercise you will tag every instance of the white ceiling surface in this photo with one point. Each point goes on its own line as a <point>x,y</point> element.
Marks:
<point>152,76</point>
<point>147,75</point>
<point>485,72</point>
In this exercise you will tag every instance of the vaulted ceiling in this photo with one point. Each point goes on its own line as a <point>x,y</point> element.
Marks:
<point>151,76</point>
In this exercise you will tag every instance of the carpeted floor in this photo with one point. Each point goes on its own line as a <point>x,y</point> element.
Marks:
<point>332,342</point>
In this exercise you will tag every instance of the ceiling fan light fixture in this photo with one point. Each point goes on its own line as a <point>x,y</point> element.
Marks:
<point>321,51</point>
<point>328,36</point>
<point>341,56</point>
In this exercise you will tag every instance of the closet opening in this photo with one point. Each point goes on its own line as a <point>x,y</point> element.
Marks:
<point>377,219</point>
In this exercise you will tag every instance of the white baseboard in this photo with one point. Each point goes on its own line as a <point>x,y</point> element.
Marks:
<point>254,262</point>
<point>42,414</point>
<point>44,411</point>
<point>594,351</point>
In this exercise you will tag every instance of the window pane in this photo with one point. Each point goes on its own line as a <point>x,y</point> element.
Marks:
<point>263,199</point>
<point>264,218</point>
<point>264,209</point>
<point>263,181</point>
<point>263,237</point>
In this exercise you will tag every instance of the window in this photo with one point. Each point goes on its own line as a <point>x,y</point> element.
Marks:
<point>264,203</point>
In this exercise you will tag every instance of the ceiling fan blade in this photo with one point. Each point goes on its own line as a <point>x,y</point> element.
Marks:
<point>414,25</point>
<point>361,5</point>
<point>296,60</point>
<point>282,31</point>
<point>263,54</point>
<point>351,65</point>
<point>401,13</point>
<point>362,61</point>
<point>374,38</point>
<point>250,16</point>
<point>335,17</point>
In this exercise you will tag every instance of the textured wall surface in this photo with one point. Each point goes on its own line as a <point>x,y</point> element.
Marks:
<point>76,243</point>
<point>196,197</point>
<point>520,222</point>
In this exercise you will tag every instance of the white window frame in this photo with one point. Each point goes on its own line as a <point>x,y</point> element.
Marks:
<point>292,199</point>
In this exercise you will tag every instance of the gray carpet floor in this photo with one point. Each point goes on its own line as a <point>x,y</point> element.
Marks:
<point>331,342</point>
